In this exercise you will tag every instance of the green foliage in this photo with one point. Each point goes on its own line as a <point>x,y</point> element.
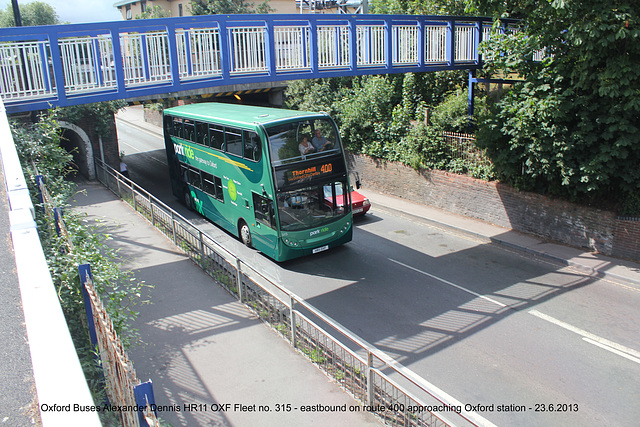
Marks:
<point>32,14</point>
<point>572,128</point>
<point>99,113</point>
<point>378,115</point>
<point>364,115</point>
<point>317,94</point>
<point>221,7</point>
<point>419,7</point>
<point>424,147</point>
<point>452,115</point>
<point>39,150</point>
<point>39,145</point>
<point>154,12</point>
<point>631,205</point>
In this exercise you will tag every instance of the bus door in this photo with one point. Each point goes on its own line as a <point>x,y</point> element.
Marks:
<point>266,237</point>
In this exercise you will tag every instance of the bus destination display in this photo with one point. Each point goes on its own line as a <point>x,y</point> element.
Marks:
<point>307,173</point>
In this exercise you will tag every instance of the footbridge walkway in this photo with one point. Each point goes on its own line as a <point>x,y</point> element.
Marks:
<point>63,65</point>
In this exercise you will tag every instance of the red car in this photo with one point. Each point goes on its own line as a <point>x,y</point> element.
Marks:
<point>359,204</point>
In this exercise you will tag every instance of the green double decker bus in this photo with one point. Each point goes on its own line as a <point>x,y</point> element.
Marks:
<point>273,177</point>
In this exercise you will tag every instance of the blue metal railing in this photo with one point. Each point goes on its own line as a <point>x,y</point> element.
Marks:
<point>65,65</point>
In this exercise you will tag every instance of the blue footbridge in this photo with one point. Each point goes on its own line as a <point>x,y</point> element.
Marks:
<point>62,65</point>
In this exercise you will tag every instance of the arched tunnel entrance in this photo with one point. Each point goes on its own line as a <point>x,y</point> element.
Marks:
<point>77,142</point>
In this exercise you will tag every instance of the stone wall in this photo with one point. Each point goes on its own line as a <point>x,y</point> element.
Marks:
<point>502,205</point>
<point>153,116</point>
<point>109,141</point>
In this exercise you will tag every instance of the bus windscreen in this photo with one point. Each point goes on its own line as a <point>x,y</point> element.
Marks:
<point>313,206</point>
<point>291,142</point>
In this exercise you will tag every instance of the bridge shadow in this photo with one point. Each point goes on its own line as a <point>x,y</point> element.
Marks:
<point>199,345</point>
<point>413,304</point>
<point>429,315</point>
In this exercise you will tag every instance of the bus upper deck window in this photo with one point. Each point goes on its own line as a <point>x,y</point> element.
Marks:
<point>252,146</point>
<point>233,141</point>
<point>216,137</point>
<point>177,127</point>
<point>189,130</point>
<point>202,134</point>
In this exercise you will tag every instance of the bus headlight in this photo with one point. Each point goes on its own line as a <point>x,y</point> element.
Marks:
<point>291,242</point>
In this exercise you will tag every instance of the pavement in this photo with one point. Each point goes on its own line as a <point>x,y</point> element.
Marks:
<point>201,347</point>
<point>205,350</point>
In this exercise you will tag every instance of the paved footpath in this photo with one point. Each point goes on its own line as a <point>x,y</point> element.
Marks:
<point>201,346</point>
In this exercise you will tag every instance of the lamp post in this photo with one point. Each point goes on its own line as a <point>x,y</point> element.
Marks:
<point>16,13</point>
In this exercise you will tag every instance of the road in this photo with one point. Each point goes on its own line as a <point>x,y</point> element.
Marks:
<point>521,340</point>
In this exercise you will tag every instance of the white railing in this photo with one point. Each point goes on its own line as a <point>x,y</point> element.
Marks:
<point>292,48</point>
<point>248,49</point>
<point>81,57</point>
<point>466,43</point>
<point>435,44</point>
<point>145,58</point>
<point>23,73</point>
<point>83,63</point>
<point>333,46</point>
<point>405,39</point>
<point>372,45</point>
<point>201,57</point>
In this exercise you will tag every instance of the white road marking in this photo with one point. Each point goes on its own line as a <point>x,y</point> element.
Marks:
<point>603,343</point>
<point>446,282</point>
<point>612,350</point>
<point>436,392</point>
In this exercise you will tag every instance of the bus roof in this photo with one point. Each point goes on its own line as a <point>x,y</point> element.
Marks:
<point>236,114</point>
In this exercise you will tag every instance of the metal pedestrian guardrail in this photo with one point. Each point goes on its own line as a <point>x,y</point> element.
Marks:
<point>384,387</point>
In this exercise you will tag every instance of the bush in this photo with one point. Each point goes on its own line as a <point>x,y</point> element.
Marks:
<point>631,205</point>
<point>39,150</point>
<point>452,115</point>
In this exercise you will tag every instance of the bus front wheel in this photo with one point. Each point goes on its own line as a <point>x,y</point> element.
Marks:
<point>245,234</point>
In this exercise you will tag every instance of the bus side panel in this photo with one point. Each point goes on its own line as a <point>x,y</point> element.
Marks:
<point>265,239</point>
<point>209,207</point>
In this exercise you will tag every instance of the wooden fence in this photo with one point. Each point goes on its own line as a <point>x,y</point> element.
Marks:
<point>126,394</point>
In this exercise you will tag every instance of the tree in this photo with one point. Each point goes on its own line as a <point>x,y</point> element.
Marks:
<point>221,7</point>
<point>572,127</point>
<point>419,7</point>
<point>32,14</point>
<point>154,12</point>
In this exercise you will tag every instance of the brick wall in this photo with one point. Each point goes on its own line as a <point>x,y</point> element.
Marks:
<point>626,241</point>
<point>502,205</point>
<point>109,141</point>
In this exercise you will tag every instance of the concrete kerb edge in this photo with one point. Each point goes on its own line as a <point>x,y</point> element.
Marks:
<point>544,255</point>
